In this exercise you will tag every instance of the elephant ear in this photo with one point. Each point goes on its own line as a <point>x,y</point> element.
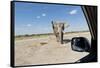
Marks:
<point>66,25</point>
<point>52,24</point>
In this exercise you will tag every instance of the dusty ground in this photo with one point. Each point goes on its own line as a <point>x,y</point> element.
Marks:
<point>47,51</point>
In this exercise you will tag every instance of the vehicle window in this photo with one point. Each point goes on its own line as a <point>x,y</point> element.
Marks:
<point>43,33</point>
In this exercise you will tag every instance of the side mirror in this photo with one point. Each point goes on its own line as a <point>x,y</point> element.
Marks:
<point>80,44</point>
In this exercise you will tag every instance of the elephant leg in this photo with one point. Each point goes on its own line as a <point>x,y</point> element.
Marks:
<point>61,37</point>
<point>57,36</point>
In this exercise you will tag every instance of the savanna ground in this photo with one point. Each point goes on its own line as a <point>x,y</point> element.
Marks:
<point>36,50</point>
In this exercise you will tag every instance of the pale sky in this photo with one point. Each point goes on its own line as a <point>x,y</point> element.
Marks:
<point>35,18</point>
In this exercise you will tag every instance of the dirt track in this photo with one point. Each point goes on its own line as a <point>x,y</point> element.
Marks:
<point>47,50</point>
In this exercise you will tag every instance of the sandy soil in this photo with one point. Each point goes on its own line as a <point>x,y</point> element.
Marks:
<point>47,50</point>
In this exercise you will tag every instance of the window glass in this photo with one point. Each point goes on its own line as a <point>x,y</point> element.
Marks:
<point>38,33</point>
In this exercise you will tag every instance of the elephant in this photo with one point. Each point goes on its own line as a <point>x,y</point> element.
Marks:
<point>58,28</point>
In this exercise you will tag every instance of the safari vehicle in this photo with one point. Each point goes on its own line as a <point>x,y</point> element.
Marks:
<point>81,43</point>
<point>75,44</point>
<point>90,13</point>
